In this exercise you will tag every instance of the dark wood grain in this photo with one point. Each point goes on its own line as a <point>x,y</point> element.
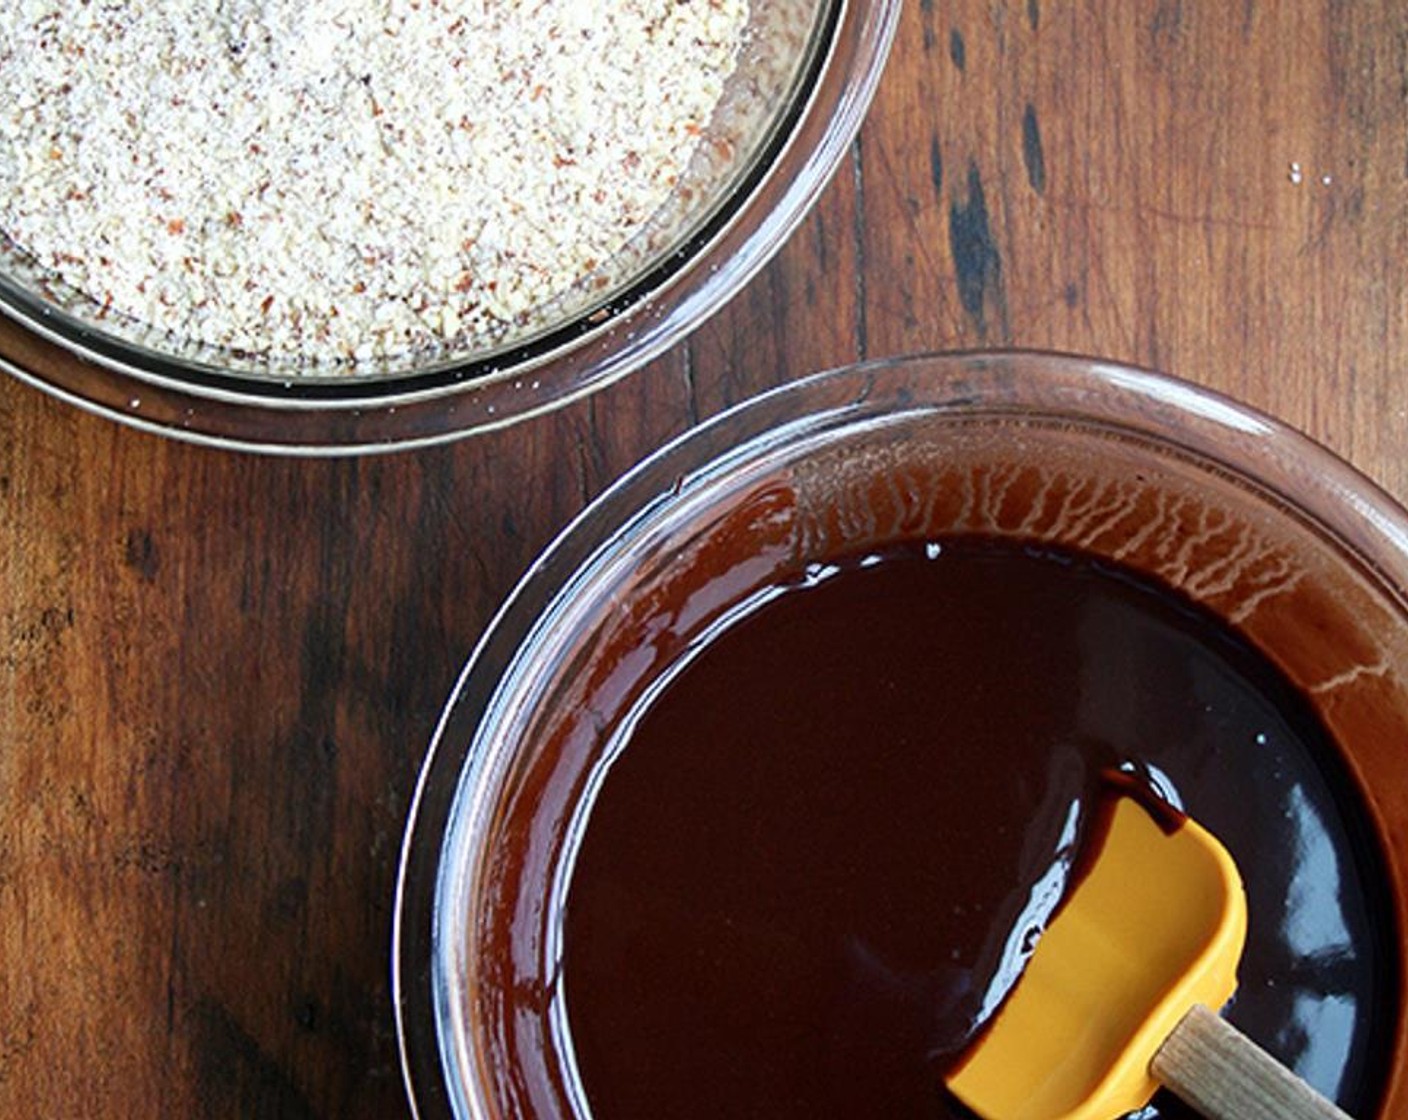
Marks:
<point>218,672</point>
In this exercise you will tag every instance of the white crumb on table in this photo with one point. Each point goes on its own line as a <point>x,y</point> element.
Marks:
<point>337,181</point>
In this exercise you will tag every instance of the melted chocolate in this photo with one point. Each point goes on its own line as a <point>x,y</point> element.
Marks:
<point>828,843</point>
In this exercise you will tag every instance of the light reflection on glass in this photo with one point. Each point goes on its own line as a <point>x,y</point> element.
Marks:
<point>1323,1025</point>
<point>1315,921</point>
<point>1317,935</point>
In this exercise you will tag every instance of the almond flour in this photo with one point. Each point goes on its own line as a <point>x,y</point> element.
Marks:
<point>332,183</point>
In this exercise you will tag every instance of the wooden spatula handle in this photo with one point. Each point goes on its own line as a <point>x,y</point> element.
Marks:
<point>1226,1076</point>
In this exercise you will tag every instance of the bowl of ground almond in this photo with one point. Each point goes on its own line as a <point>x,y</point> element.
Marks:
<point>331,225</point>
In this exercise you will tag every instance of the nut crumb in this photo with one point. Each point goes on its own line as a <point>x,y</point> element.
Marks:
<point>356,180</point>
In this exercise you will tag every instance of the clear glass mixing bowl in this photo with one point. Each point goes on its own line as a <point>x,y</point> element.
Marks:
<point>1272,532</point>
<point>806,74</point>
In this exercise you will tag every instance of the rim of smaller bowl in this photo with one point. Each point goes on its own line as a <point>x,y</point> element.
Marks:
<point>373,413</point>
<point>1313,483</point>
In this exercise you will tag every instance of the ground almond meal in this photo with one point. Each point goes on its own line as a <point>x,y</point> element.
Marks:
<point>338,181</point>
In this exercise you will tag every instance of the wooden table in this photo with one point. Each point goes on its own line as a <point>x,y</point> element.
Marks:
<point>219,672</point>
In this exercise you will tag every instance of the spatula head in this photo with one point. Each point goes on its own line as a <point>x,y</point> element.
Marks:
<point>1156,925</point>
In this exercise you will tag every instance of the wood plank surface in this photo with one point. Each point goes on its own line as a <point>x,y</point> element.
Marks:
<point>219,672</point>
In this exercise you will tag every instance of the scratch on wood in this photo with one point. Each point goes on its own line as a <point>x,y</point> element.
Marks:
<point>691,393</point>
<point>238,1077</point>
<point>1032,153</point>
<point>1143,209</point>
<point>17,1036</point>
<point>583,483</point>
<point>1167,24</point>
<point>140,554</point>
<point>976,259</point>
<point>820,241</point>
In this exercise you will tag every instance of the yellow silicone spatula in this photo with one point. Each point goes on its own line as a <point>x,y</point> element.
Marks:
<point>1115,999</point>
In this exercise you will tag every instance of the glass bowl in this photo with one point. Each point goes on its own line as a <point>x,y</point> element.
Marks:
<point>788,114</point>
<point>1307,558</point>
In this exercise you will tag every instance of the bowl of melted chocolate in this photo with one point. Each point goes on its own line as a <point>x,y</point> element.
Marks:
<point>760,791</point>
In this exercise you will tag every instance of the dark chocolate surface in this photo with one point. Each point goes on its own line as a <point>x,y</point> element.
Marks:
<point>823,849</point>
